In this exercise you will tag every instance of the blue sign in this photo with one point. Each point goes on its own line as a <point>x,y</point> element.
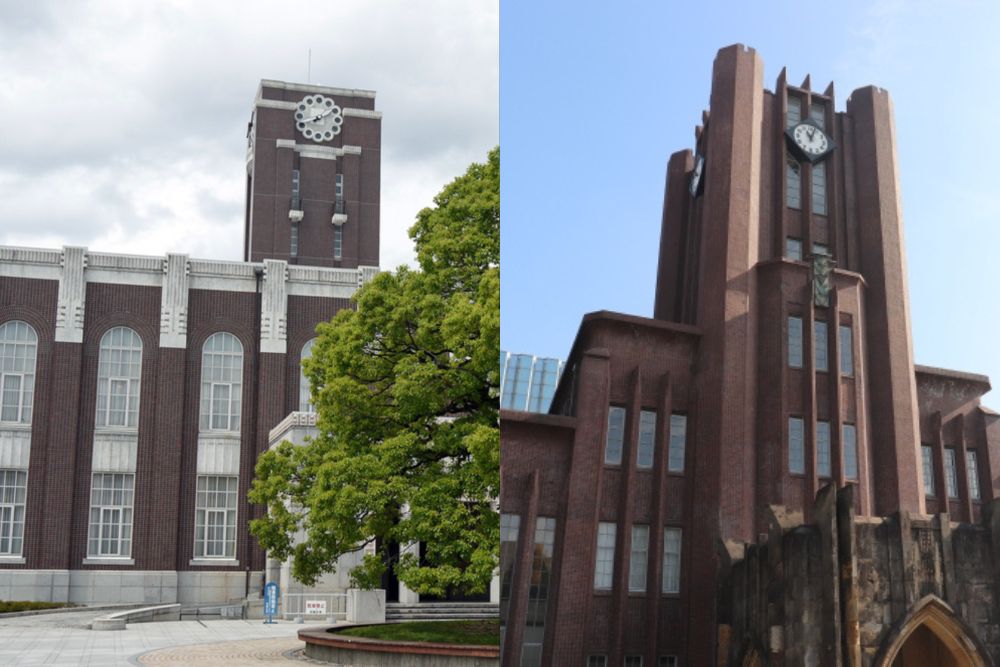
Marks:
<point>270,600</point>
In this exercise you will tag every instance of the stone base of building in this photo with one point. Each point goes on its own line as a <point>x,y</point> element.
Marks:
<point>190,588</point>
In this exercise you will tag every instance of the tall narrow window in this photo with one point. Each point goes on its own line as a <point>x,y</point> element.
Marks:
<point>972,470</point>
<point>795,342</point>
<point>671,560</point>
<point>796,446</point>
<point>638,558</point>
<point>793,182</point>
<point>793,248</point>
<point>794,116</point>
<point>647,438</point>
<point>823,449</point>
<point>604,565</point>
<point>13,491</point>
<point>950,473</point>
<point>538,594</point>
<point>678,441</point>
<point>846,350</point>
<point>338,205</point>
<point>293,247</point>
<point>633,661</point>
<point>296,191</point>
<point>819,188</point>
<point>338,241</point>
<point>597,661</point>
<point>18,348</point>
<point>850,452</point>
<point>215,517</point>
<point>927,453</point>
<point>817,114</point>
<point>221,383</point>
<point>510,526</point>
<point>517,382</point>
<point>305,398</point>
<point>820,344</point>
<point>111,515</point>
<point>616,435</point>
<point>119,368</point>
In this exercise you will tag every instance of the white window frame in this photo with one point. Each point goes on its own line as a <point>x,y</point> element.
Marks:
<point>113,358</point>
<point>112,498</point>
<point>221,367</point>
<point>614,444</point>
<point>18,356</point>
<point>672,549</point>
<point>13,497</point>
<point>638,559</point>
<point>604,563</point>
<point>208,512</point>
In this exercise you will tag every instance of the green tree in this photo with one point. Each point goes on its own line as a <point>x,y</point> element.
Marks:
<point>406,391</point>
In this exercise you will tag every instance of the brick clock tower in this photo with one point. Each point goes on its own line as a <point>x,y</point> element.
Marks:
<point>777,368</point>
<point>313,164</point>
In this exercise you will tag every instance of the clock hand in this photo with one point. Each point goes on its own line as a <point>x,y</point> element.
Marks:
<point>322,115</point>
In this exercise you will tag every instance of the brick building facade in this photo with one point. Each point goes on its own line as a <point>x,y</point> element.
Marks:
<point>137,392</point>
<point>778,367</point>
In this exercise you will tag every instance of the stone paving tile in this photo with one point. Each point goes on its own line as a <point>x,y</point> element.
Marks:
<point>247,652</point>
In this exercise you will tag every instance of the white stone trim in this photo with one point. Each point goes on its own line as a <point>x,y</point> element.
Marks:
<point>12,560</point>
<point>214,562</point>
<point>295,216</point>
<point>174,302</point>
<point>108,560</point>
<point>313,88</point>
<point>274,307</point>
<point>362,113</point>
<point>222,275</point>
<point>351,150</point>
<point>339,219</point>
<point>285,143</point>
<point>293,420</point>
<point>35,263</point>
<point>115,451</point>
<point>72,293</point>
<point>106,267</point>
<point>218,454</point>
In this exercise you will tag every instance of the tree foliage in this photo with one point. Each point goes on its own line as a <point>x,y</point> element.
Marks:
<point>406,391</point>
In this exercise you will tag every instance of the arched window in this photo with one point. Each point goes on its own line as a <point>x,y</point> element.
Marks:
<point>305,398</point>
<point>118,369</point>
<point>18,348</point>
<point>221,382</point>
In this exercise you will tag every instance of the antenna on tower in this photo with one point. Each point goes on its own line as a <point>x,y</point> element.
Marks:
<point>309,67</point>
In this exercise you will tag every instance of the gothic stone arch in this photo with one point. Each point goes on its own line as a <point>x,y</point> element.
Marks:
<point>932,620</point>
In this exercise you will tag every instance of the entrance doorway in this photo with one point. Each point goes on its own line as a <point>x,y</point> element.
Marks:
<point>923,649</point>
<point>931,635</point>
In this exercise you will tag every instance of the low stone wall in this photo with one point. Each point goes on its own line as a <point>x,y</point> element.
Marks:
<point>364,652</point>
<point>117,621</point>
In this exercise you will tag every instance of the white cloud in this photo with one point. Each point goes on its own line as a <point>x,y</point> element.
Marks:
<point>123,123</point>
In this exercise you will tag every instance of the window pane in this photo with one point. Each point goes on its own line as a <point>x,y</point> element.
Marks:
<point>846,351</point>
<point>795,342</point>
<point>819,338</point>
<point>221,365</point>
<point>647,436</point>
<point>819,188</point>
<point>796,446</point>
<point>794,110</point>
<point>950,474</point>
<point>616,435</point>
<point>12,493</point>
<point>972,470</point>
<point>604,567</point>
<point>678,438</point>
<point>671,560</point>
<point>215,516</point>
<point>638,558</point>
<point>850,452</point>
<point>305,397</point>
<point>823,449</point>
<point>928,458</point>
<point>793,249</point>
<point>793,183</point>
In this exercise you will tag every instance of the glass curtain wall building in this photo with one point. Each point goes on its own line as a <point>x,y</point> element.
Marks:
<point>527,382</point>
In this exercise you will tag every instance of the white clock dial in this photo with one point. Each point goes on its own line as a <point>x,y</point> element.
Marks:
<point>810,139</point>
<point>318,118</point>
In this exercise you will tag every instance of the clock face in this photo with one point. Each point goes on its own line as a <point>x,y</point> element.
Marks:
<point>318,118</point>
<point>810,139</point>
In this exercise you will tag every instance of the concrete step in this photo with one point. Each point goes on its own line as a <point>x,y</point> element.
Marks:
<point>427,611</point>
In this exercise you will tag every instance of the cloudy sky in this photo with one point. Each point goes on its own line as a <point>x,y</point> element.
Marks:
<point>596,96</point>
<point>122,123</point>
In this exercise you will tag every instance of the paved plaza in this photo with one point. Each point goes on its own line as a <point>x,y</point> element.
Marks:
<point>64,639</point>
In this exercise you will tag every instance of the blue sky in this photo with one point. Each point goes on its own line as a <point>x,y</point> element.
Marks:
<point>595,96</point>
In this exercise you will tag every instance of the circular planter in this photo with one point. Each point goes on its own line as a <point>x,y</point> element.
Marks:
<point>321,644</point>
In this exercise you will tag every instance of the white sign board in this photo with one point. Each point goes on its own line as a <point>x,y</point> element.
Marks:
<point>316,606</point>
